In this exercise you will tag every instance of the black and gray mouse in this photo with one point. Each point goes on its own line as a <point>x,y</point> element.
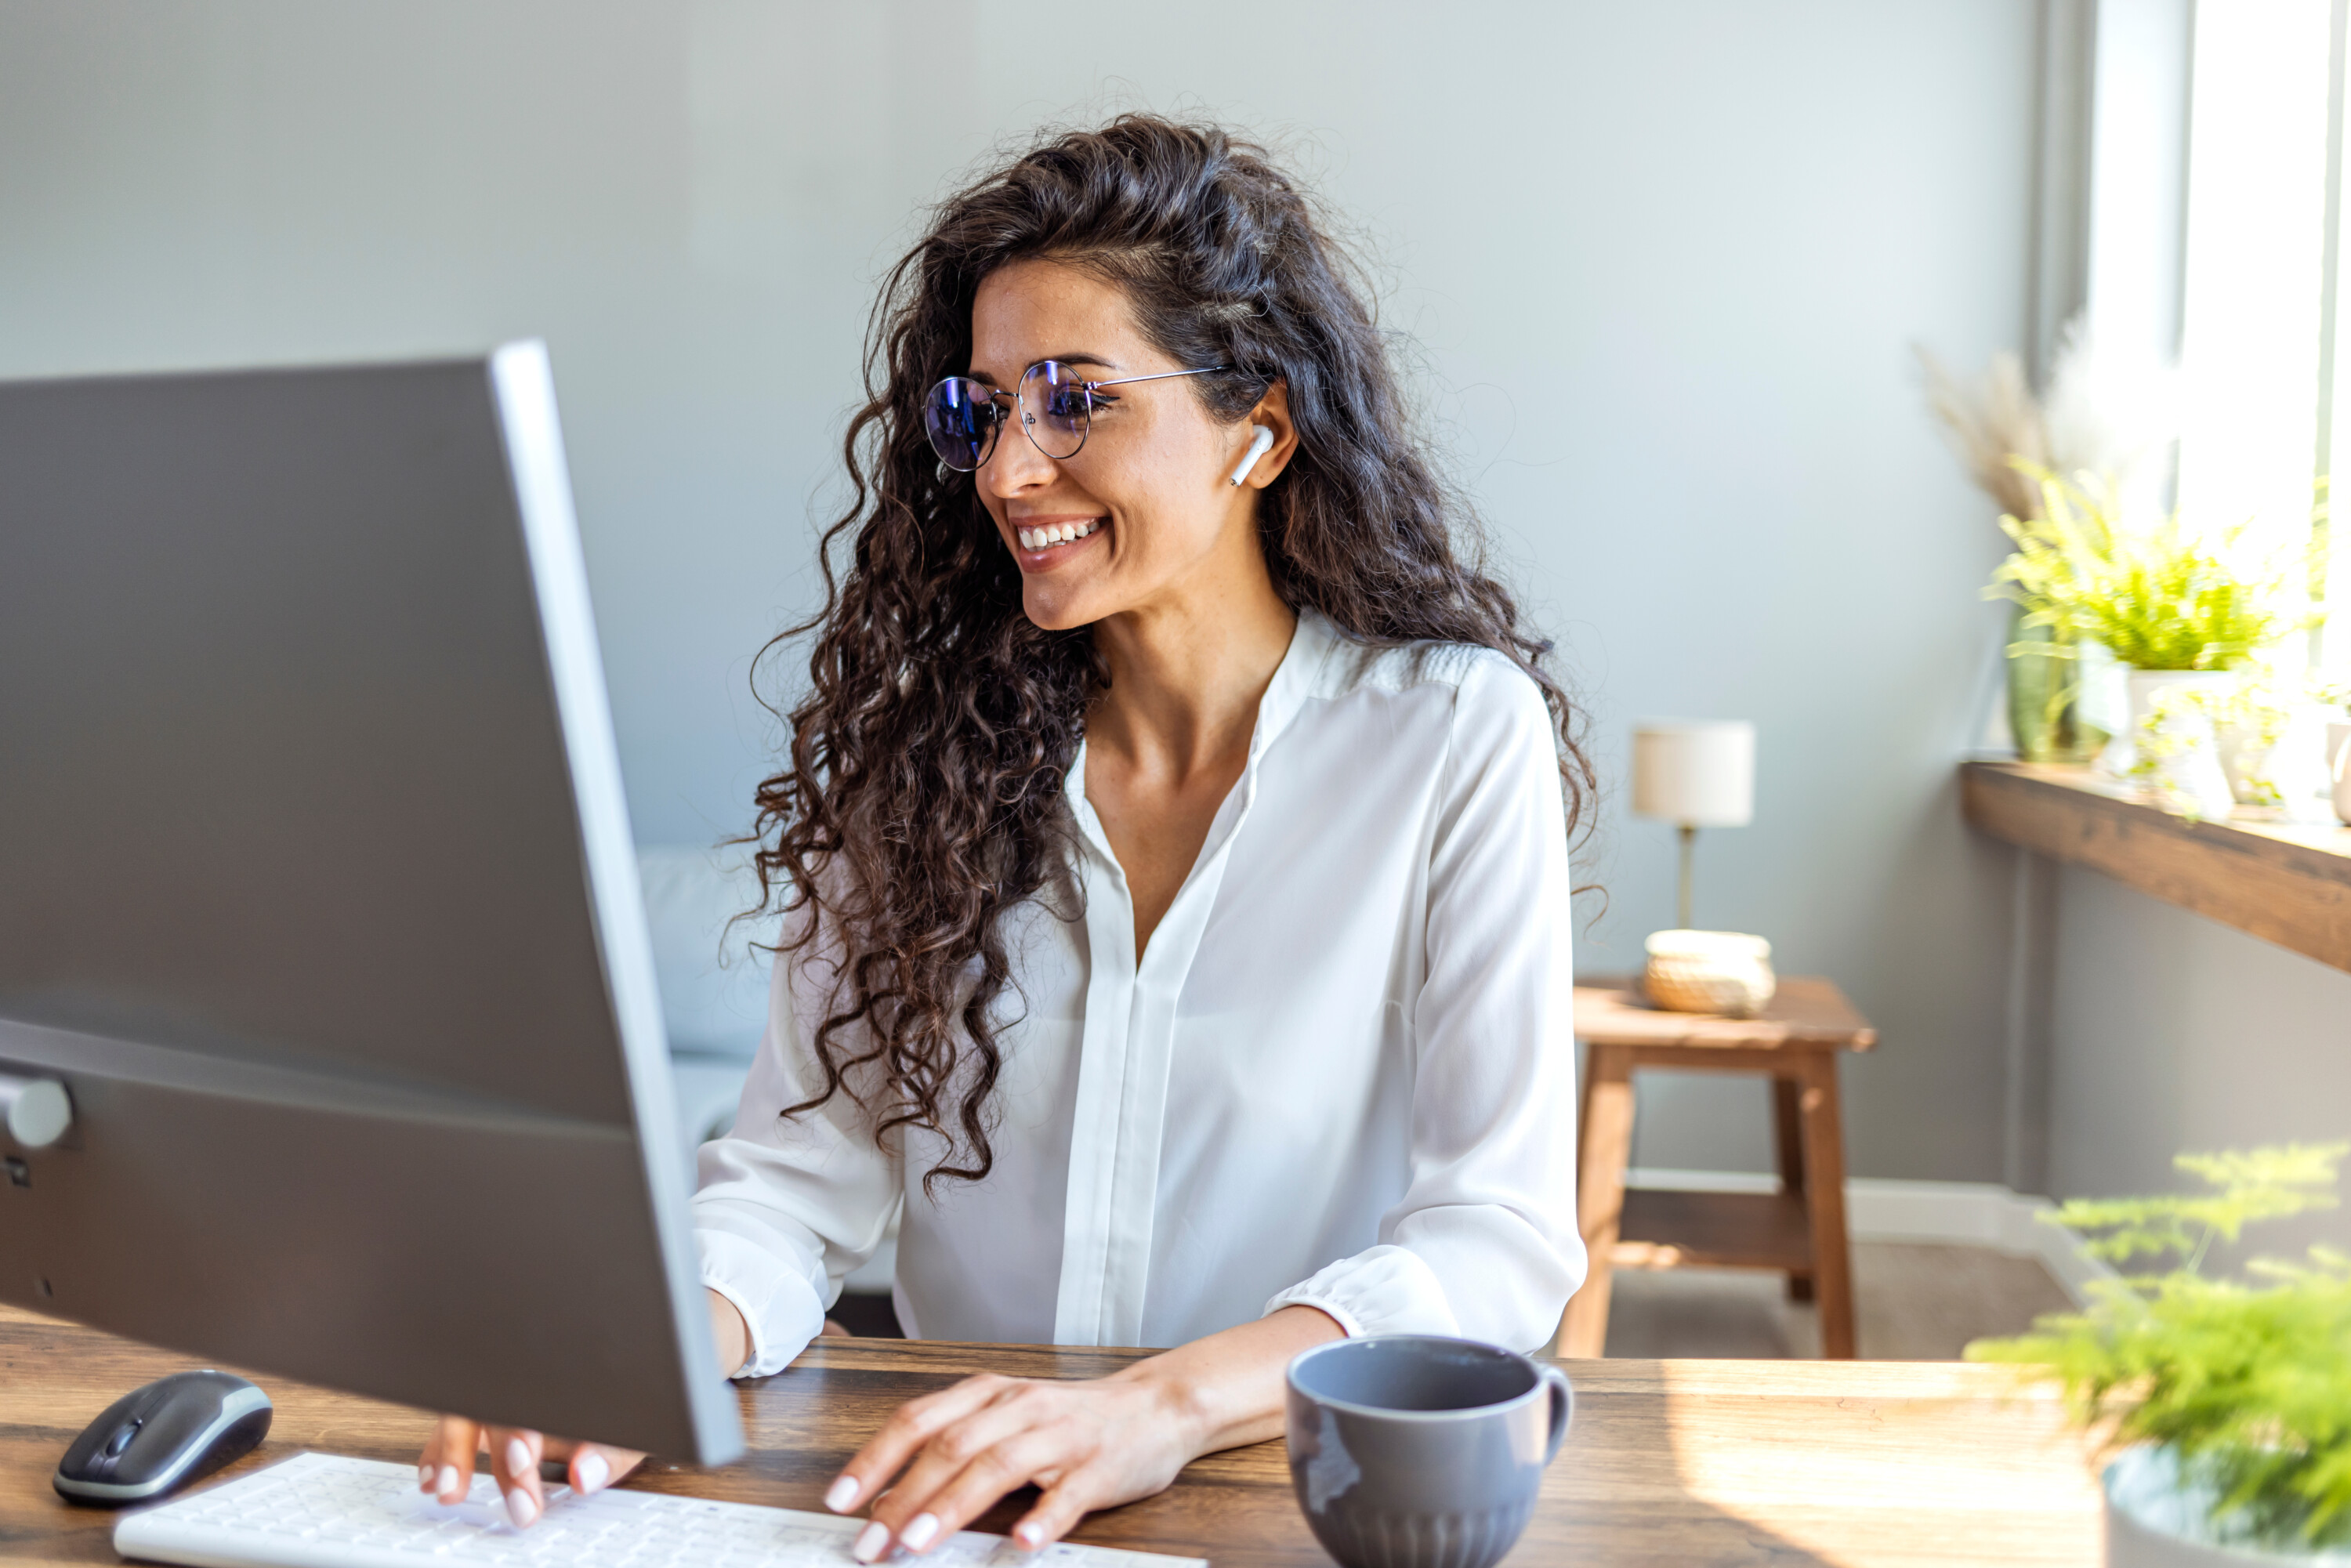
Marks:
<point>156,1439</point>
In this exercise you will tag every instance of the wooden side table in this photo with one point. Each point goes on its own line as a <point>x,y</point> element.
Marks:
<point>1799,1231</point>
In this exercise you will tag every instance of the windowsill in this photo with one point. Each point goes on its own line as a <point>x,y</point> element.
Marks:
<point>2287,882</point>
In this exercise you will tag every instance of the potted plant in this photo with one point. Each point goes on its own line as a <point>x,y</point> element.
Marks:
<point>2178,608</point>
<point>2252,726</point>
<point>2178,749</point>
<point>2098,413</point>
<point>2227,1404</point>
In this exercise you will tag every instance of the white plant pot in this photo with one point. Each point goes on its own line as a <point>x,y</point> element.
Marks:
<point>2338,768</point>
<point>2153,1521</point>
<point>2244,759</point>
<point>2194,771</point>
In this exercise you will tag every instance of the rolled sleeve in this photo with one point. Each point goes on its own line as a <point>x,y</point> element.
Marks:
<point>1385,1290</point>
<point>780,1303</point>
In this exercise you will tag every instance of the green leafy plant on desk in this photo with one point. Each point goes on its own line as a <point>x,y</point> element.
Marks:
<point>2246,1384</point>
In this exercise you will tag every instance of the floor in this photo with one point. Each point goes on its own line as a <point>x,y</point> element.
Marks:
<point>1913,1302</point>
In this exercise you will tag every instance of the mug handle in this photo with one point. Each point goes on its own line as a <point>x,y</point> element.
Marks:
<point>1563,1409</point>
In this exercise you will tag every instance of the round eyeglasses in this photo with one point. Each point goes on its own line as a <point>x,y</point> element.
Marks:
<point>962,416</point>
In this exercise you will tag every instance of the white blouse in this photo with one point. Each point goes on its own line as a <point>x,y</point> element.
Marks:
<point>1343,1074</point>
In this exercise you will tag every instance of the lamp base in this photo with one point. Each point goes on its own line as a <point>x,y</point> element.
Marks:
<point>1688,861</point>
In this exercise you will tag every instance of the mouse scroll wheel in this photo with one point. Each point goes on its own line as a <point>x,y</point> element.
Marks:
<point>121,1439</point>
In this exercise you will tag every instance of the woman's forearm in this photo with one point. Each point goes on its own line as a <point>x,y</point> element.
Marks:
<point>1226,1389</point>
<point>728,1332</point>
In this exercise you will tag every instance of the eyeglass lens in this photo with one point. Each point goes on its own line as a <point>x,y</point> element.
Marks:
<point>1057,408</point>
<point>962,416</point>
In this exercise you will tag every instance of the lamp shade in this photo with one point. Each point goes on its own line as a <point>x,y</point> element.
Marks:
<point>1696,774</point>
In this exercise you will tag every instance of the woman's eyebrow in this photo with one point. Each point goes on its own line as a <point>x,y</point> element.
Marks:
<point>980,375</point>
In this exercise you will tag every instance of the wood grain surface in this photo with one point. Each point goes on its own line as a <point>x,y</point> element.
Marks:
<point>1805,1013</point>
<point>2286,882</point>
<point>1685,1463</point>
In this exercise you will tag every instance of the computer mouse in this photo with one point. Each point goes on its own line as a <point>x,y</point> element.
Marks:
<point>155,1441</point>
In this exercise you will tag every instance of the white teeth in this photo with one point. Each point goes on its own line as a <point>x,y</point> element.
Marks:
<point>1054,534</point>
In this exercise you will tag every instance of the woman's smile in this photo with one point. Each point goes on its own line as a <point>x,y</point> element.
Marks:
<point>1047,540</point>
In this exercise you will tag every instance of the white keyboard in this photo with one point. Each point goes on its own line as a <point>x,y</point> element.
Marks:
<point>319,1511</point>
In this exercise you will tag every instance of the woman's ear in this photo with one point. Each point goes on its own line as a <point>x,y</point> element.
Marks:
<point>1271,414</point>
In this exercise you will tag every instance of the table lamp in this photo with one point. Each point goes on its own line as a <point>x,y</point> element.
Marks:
<point>1699,774</point>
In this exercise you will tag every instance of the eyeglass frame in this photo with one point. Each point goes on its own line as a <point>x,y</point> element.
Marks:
<point>1027,420</point>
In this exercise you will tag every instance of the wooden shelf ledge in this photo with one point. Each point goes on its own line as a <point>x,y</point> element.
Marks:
<point>2286,882</point>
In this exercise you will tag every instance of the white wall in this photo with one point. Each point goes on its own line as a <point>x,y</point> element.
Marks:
<point>1665,262</point>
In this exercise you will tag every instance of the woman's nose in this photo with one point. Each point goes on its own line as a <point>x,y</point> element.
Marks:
<point>1015,465</point>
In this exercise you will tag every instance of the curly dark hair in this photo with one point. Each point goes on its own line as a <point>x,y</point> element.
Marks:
<point>923,793</point>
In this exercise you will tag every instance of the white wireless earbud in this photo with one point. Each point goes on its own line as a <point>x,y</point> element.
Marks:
<point>1260,445</point>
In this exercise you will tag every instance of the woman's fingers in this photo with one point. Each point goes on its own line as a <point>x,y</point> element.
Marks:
<point>595,1466</point>
<point>994,1472</point>
<point>445,1469</point>
<point>979,1445</point>
<point>909,1428</point>
<point>1065,1502</point>
<point>514,1460</point>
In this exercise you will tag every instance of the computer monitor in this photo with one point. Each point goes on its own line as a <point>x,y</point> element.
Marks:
<point>316,895</point>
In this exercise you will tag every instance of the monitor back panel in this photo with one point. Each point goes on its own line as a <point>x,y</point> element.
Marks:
<point>296,895</point>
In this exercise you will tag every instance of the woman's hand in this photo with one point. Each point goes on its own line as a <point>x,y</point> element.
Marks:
<point>445,1469</point>
<point>1088,1445</point>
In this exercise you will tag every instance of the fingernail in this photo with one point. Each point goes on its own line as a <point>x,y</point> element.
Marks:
<point>518,1459</point>
<point>919,1532</point>
<point>520,1509</point>
<point>841,1495</point>
<point>594,1472</point>
<point>871,1542</point>
<point>448,1483</point>
<point>424,1478</point>
<point>1031,1536</point>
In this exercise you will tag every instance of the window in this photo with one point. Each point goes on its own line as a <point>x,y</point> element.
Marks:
<point>2266,409</point>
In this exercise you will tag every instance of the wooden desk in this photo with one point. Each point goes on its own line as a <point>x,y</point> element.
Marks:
<point>1687,1463</point>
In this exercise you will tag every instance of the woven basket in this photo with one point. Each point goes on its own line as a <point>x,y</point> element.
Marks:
<point>1724,972</point>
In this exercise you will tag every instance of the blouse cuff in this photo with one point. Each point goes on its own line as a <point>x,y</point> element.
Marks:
<point>1387,1290</point>
<point>778,1305</point>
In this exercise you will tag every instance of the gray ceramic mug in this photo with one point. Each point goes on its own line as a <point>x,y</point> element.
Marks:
<point>1413,1451</point>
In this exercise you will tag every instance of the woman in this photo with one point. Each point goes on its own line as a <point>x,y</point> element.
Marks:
<point>1175,839</point>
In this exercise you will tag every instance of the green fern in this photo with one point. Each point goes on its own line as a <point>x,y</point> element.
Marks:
<point>2250,1383</point>
<point>2157,598</point>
